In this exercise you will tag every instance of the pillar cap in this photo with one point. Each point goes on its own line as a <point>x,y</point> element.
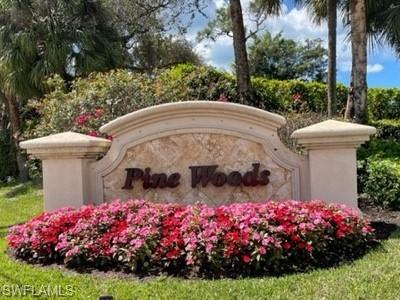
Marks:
<point>66,145</point>
<point>333,134</point>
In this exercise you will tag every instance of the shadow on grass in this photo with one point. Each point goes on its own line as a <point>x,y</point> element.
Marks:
<point>385,230</point>
<point>19,189</point>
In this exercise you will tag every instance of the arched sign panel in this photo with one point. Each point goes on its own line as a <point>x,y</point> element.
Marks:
<point>210,152</point>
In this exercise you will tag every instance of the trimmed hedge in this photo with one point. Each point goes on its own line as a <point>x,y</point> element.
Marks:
<point>120,92</point>
<point>383,103</point>
<point>379,172</point>
<point>383,182</point>
<point>235,240</point>
<point>387,128</point>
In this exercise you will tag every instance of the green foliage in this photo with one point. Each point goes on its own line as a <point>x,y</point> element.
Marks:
<point>380,148</point>
<point>120,92</point>
<point>40,38</point>
<point>378,171</point>
<point>383,182</point>
<point>383,103</point>
<point>187,82</point>
<point>387,128</point>
<point>154,51</point>
<point>294,95</point>
<point>276,57</point>
<point>104,96</point>
<point>295,121</point>
<point>92,102</point>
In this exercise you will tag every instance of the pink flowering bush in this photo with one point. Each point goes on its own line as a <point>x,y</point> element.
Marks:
<point>238,239</point>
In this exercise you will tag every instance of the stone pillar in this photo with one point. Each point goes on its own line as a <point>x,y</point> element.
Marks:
<point>331,147</point>
<point>65,160</point>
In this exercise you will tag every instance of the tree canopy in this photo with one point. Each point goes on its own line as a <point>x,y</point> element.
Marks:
<point>277,57</point>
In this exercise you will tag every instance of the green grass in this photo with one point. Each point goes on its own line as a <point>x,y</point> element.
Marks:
<point>376,276</point>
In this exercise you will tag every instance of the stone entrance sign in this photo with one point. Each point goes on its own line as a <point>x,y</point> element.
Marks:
<point>209,152</point>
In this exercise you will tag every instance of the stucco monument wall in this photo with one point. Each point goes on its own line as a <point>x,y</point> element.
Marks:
<point>199,151</point>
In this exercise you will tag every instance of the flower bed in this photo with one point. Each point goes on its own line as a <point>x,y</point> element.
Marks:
<point>239,239</point>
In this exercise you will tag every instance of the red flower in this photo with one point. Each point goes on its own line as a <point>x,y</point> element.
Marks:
<point>93,133</point>
<point>223,98</point>
<point>173,253</point>
<point>309,248</point>
<point>98,112</point>
<point>286,246</point>
<point>246,259</point>
<point>296,97</point>
<point>82,119</point>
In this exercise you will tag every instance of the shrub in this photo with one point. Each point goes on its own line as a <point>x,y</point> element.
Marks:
<point>91,102</point>
<point>187,82</point>
<point>239,239</point>
<point>383,103</point>
<point>382,183</point>
<point>387,128</point>
<point>294,121</point>
<point>378,166</point>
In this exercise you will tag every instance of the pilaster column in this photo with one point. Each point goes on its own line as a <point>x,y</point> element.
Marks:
<point>65,162</point>
<point>331,147</point>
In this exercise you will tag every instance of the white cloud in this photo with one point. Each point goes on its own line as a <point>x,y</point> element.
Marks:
<point>218,54</point>
<point>374,68</point>
<point>296,24</point>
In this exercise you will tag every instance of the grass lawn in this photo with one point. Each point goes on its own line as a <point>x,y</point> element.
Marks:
<point>376,276</point>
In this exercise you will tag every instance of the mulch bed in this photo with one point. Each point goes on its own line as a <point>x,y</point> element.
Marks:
<point>384,221</point>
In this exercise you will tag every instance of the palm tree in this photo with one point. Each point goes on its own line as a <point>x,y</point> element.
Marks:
<point>240,51</point>
<point>262,9</point>
<point>41,38</point>
<point>327,10</point>
<point>374,23</point>
<point>332,23</point>
<point>358,21</point>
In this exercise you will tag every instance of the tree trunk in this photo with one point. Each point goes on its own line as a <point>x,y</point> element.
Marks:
<point>359,52</point>
<point>332,21</point>
<point>349,114</point>
<point>16,131</point>
<point>239,46</point>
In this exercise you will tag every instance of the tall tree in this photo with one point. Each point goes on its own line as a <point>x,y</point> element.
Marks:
<point>332,24</point>
<point>277,57</point>
<point>327,10</point>
<point>239,46</point>
<point>40,38</point>
<point>229,21</point>
<point>155,51</point>
<point>382,28</point>
<point>359,53</point>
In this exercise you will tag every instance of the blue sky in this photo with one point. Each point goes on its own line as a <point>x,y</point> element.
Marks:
<point>295,23</point>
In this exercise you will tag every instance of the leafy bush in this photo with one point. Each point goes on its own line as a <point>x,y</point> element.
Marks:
<point>92,102</point>
<point>383,103</point>
<point>297,120</point>
<point>187,82</point>
<point>387,128</point>
<point>239,239</point>
<point>378,168</point>
<point>383,182</point>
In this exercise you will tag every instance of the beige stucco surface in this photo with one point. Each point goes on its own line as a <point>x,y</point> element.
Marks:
<point>176,153</point>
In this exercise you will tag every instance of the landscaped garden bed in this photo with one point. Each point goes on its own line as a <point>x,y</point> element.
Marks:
<point>236,240</point>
